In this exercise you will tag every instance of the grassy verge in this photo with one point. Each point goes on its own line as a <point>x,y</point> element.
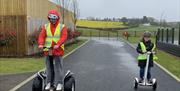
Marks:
<point>168,61</point>
<point>21,65</point>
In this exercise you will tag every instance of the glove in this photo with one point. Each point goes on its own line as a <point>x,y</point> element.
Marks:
<point>40,46</point>
<point>56,47</point>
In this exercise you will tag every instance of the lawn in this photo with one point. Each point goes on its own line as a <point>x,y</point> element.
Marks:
<point>21,65</point>
<point>97,33</point>
<point>133,32</point>
<point>138,31</point>
<point>135,40</point>
<point>100,24</point>
<point>170,62</point>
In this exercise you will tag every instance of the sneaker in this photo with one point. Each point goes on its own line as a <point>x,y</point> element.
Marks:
<point>150,81</point>
<point>48,86</point>
<point>59,87</point>
<point>141,80</point>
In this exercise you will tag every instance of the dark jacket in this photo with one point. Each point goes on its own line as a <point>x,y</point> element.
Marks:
<point>149,45</point>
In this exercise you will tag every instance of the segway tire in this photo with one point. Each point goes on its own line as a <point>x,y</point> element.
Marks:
<point>155,86</point>
<point>135,84</point>
<point>37,84</point>
<point>69,84</point>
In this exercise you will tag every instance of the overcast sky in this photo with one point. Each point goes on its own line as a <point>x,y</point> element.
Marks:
<point>160,9</point>
<point>167,9</point>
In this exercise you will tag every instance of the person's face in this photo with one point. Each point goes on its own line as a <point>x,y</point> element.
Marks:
<point>146,39</point>
<point>53,18</point>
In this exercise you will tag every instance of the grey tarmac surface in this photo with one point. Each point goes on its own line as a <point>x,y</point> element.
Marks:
<point>109,65</point>
<point>12,80</point>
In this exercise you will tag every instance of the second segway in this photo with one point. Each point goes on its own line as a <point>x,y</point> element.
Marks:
<point>145,81</point>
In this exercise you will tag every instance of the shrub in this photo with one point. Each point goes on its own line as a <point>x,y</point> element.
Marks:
<point>33,37</point>
<point>7,37</point>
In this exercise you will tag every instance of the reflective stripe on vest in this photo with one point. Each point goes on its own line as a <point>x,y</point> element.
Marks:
<point>50,37</point>
<point>144,56</point>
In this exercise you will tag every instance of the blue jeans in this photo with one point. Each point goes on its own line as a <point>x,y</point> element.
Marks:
<point>54,69</point>
<point>142,69</point>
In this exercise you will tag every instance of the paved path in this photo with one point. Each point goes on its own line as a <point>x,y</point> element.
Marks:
<point>109,65</point>
<point>12,80</point>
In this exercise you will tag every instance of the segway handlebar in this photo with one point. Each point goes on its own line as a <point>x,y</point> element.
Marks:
<point>150,52</point>
<point>48,47</point>
<point>50,53</point>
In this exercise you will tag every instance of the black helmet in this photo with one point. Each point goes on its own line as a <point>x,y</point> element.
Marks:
<point>147,34</point>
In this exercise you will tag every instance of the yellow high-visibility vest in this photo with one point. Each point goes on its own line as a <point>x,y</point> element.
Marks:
<point>50,37</point>
<point>144,56</point>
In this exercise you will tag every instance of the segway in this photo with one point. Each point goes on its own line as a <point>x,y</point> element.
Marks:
<point>145,81</point>
<point>39,80</point>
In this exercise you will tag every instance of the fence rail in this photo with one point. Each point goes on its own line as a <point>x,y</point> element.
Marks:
<point>168,39</point>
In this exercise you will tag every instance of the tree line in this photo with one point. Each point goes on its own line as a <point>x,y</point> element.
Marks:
<point>138,21</point>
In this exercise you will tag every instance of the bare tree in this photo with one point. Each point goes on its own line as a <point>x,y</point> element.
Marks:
<point>76,12</point>
<point>71,5</point>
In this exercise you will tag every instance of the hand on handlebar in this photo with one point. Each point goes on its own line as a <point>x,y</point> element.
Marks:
<point>40,46</point>
<point>56,46</point>
<point>149,52</point>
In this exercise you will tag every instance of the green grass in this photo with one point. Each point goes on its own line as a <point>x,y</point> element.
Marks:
<point>97,33</point>
<point>143,28</point>
<point>138,31</point>
<point>134,32</point>
<point>100,24</point>
<point>21,65</point>
<point>135,40</point>
<point>170,62</point>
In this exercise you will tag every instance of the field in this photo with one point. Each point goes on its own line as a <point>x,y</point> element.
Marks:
<point>99,24</point>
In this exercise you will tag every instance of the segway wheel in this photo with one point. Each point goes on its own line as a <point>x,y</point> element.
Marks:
<point>73,87</point>
<point>69,84</point>
<point>135,84</point>
<point>37,84</point>
<point>155,86</point>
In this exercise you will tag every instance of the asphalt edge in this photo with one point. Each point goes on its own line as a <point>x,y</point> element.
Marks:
<point>30,78</point>
<point>161,67</point>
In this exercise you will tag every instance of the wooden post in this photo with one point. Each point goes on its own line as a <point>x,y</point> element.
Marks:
<point>157,36</point>
<point>117,35</point>
<point>99,34</point>
<point>179,33</point>
<point>108,35</point>
<point>162,33</point>
<point>90,33</point>
<point>167,35</point>
<point>172,35</point>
